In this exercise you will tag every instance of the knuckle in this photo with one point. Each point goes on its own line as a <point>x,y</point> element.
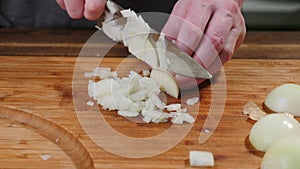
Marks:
<point>217,41</point>
<point>202,5</point>
<point>232,7</point>
<point>228,53</point>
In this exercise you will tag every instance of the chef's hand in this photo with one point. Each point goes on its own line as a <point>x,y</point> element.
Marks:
<point>224,31</point>
<point>90,9</point>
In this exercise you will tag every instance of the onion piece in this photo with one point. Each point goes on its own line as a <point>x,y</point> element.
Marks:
<point>284,99</point>
<point>90,103</point>
<point>284,154</point>
<point>272,128</point>
<point>253,111</point>
<point>112,7</point>
<point>201,159</point>
<point>173,107</point>
<point>146,73</point>
<point>127,113</point>
<point>166,82</point>
<point>45,156</point>
<point>162,52</point>
<point>192,101</point>
<point>180,117</point>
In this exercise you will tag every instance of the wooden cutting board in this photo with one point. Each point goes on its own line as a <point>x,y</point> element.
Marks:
<point>39,127</point>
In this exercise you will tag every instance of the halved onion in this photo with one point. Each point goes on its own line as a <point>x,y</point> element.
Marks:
<point>285,99</point>
<point>272,128</point>
<point>284,154</point>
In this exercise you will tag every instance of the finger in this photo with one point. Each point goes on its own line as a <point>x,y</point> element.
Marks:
<point>195,22</point>
<point>61,3</point>
<point>242,35</point>
<point>74,8</point>
<point>189,37</point>
<point>230,45</point>
<point>172,27</point>
<point>216,33</point>
<point>94,9</point>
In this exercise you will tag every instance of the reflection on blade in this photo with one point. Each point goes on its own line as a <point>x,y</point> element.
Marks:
<point>180,62</point>
<point>177,57</point>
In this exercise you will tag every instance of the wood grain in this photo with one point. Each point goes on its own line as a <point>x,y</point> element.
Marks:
<point>43,87</point>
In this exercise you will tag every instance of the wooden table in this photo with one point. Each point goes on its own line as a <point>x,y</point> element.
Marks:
<point>39,127</point>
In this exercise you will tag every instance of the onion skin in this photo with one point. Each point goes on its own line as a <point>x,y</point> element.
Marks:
<point>284,154</point>
<point>272,128</point>
<point>285,99</point>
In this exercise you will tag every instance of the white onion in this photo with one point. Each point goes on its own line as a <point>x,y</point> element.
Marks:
<point>201,159</point>
<point>271,128</point>
<point>45,156</point>
<point>90,103</point>
<point>173,107</point>
<point>284,154</point>
<point>285,99</point>
<point>166,82</point>
<point>135,95</point>
<point>146,73</point>
<point>192,101</point>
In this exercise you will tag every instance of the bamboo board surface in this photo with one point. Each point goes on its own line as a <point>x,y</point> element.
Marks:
<point>39,127</point>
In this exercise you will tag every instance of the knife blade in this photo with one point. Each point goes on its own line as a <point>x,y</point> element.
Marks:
<point>179,61</point>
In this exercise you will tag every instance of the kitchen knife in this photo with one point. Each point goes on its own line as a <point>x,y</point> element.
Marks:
<point>179,61</point>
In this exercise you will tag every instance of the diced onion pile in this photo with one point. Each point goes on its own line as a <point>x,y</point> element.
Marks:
<point>133,96</point>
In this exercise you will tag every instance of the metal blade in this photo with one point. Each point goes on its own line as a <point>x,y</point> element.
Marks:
<point>183,64</point>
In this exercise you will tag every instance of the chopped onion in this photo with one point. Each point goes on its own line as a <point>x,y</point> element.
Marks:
<point>192,101</point>
<point>201,159</point>
<point>162,52</point>
<point>90,103</point>
<point>272,128</point>
<point>173,107</point>
<point>128,113</point>
<point>111,7</point>
<point>180,117</point>
<point>146,73</point>
<point>45,157</point>
<point>133,96</point>
<point>253,111</point>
